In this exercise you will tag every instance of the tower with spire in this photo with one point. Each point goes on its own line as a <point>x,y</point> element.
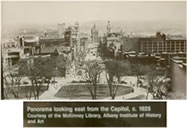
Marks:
<point>94,34</point>
<point>108,28</point>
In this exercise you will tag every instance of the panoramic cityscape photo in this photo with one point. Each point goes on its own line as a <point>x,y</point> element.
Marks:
<point>105,50</point>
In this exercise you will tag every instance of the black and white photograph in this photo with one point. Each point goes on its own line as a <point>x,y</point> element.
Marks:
<point>93,50</point>
<point>95,114</point>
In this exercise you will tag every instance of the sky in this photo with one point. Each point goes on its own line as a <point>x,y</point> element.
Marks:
<point>55,12</point>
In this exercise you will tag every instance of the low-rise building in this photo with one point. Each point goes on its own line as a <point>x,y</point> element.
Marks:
<point>12,55</point>
<point>10,44</point>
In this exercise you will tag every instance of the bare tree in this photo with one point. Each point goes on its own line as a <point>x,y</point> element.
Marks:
<point>158,87</point>
<point>92,74</point>
<point>12,80</point>
<point>40,73</point>
<point>138,70</point>
<point>114,71</point>
<point>12,84</point>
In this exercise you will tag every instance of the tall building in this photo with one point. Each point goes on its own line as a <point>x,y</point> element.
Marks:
<point>108,27</point>
<point>61,29</point>
<point>20,40</point>
<point>94,34</point>
<point>77,26</point>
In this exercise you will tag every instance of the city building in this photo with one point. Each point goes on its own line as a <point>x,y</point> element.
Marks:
<point>130,44</point>
<point>67,44</point>
<point>92,53</point>
<point>30,40</point>
<point>94,35</point>
<point>178,77</point>
<point>114,42</point>
<point>83,44</point>
<point>27,40</point>
<point>61,30</point>
<point>10,43</point>
<point>12,55</point>
<point>28,43</point>
<point>108,27</point>
<point>49,51</point>
<point>50,42</point>
<point>175,46</point>
<point>160,44</point>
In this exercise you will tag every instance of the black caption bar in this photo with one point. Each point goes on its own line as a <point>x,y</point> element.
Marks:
<point>94,114</point>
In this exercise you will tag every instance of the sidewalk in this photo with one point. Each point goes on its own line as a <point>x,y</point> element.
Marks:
<point>137,92</point>
<point>53,89</point>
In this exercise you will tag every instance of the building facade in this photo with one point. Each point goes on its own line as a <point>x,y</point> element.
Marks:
<point>160,44</point>
<point>114,42</point>
<point>12,55</point>
<point>61,30</point>
<point>94,35</point>
<point>130,44</point>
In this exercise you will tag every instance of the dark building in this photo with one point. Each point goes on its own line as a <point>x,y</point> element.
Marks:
<point>130,44</point>
<point>12,55</point>
<point>53,42</point>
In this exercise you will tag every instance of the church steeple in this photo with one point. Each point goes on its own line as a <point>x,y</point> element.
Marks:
<point>108,27</point>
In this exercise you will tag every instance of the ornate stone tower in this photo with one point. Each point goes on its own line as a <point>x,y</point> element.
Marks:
<point>108,27</point>
<point>94,34</point>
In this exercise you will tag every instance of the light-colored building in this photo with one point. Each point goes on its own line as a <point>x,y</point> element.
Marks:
<point>108,27</point>
<point>160,44</point>
<point>113,40</point>
<point>10,44</point>
<point>61,30</point>
<point>27,40</point>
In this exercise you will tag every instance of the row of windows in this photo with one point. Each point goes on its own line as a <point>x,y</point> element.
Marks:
<point>166,42</point>
<point>160,50</point>
<point>163,50</point>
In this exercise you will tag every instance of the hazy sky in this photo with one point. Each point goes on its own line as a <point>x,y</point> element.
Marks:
<point>53,12</point>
